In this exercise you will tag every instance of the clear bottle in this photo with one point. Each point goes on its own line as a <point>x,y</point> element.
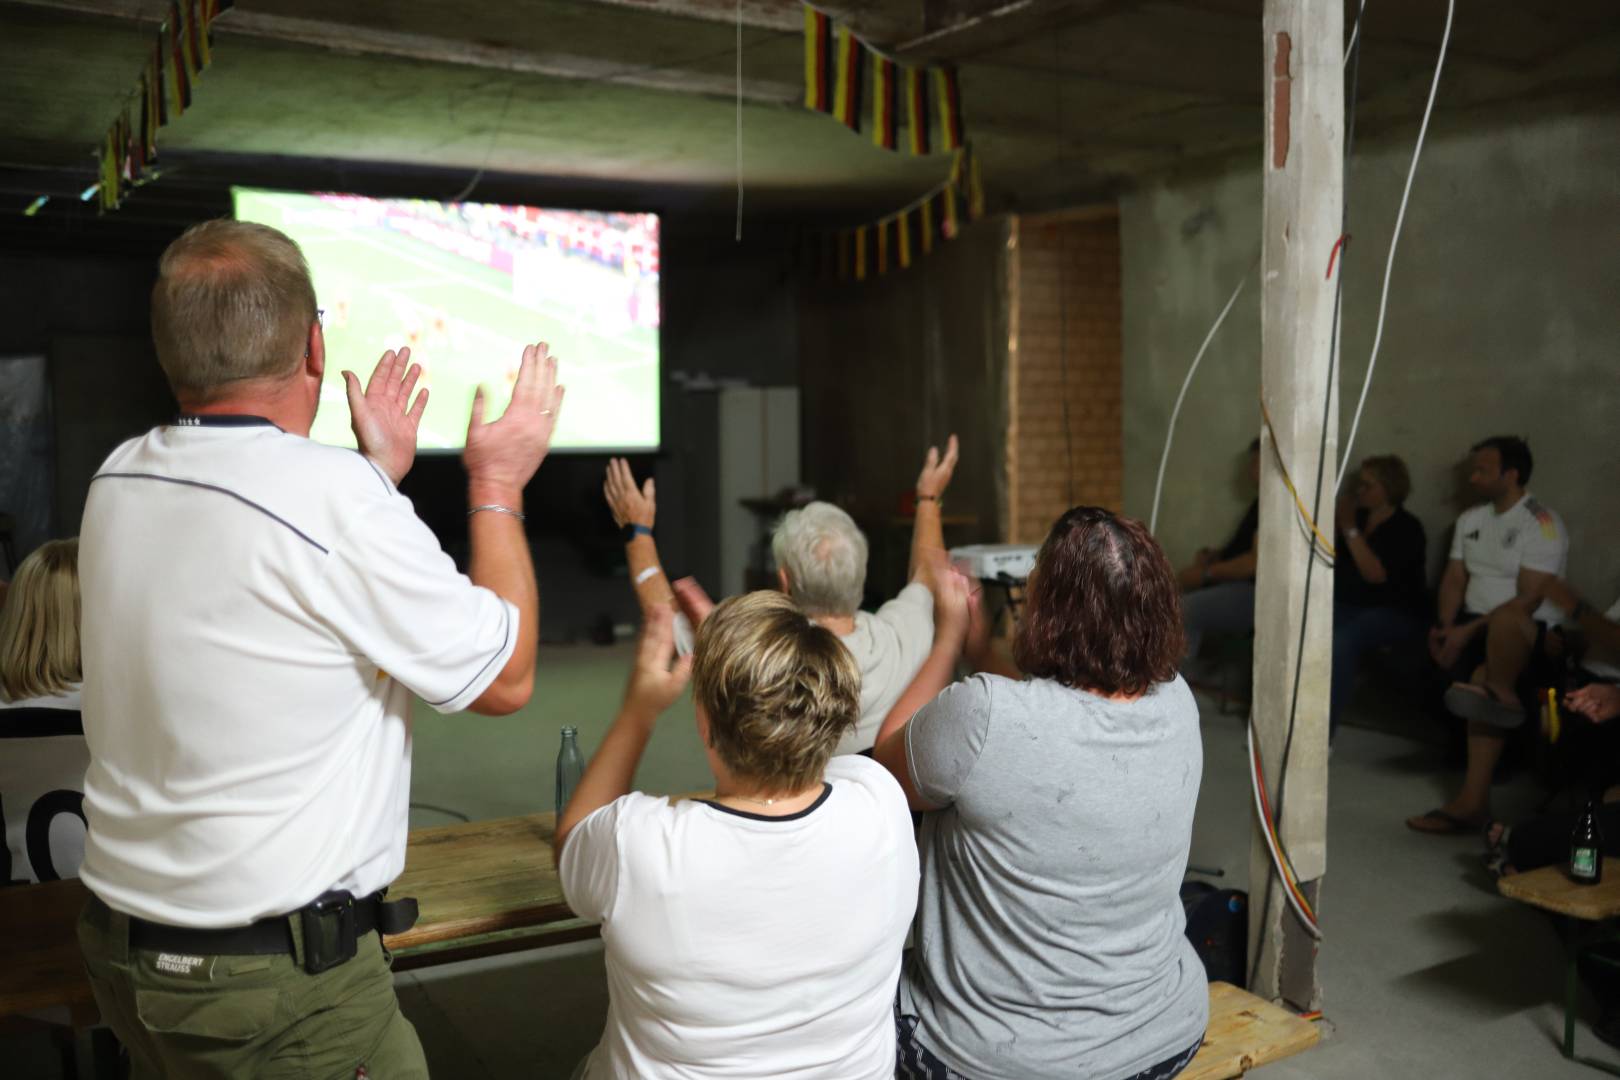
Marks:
<point>1586,848</point>
<point>570,767</point>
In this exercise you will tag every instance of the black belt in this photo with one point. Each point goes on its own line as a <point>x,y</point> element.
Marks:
<point>330,926</point>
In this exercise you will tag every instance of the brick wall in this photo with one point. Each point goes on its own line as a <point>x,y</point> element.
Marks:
<point>1064,345</point>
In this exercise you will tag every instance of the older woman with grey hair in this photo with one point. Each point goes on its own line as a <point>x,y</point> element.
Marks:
<point>820,558</point>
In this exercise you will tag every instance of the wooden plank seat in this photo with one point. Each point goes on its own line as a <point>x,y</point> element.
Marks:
<point>1244,1033</point>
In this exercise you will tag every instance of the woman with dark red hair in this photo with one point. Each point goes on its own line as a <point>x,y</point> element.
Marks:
<point>1050,935</point>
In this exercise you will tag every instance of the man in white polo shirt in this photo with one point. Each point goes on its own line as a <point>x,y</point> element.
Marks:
<point>1493,616</point>
<point>258,611</point>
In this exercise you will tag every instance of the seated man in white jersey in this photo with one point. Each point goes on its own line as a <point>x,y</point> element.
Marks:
<point>756,933</point>
<point>820,557</point>
<point>258,612</point>
<point>1492,622</point>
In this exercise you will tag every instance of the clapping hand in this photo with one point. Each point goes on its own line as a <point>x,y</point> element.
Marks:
<point>629,505</point>
<point>502,456</point>
<point>654,684</point>
<point>383,417</point>
<point>936,471</point>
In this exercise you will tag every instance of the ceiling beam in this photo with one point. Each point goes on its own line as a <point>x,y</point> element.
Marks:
<point>337,37</point>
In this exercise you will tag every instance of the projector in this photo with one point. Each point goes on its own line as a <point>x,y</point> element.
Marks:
<point>995,562</point>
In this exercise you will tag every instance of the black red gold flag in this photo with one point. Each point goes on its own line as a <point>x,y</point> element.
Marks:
<point>883,247</point>
<point>975,187</point>
<point>885,103</point>
<point>925,225</point>
<point>860,253</point>
<point>818,60</point>
<point>917,109</point>
<point>903,239</point>
<point>201,11</point>
<point>847,92</point>
<point>178,73</point>
<point>947,212</point>
<point>158,82</point>
<point>950,108</point>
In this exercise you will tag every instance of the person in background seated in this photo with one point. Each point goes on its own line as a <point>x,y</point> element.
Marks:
<point>1220,582</point>
<point>756,933</point>
<point>43,755</point>
<point>1491,626</point>
<point>1050,939</point>
<point>1379,593</point>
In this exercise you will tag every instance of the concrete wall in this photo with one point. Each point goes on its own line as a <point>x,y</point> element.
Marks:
<point>896,363</point>
<point>1504,317</point>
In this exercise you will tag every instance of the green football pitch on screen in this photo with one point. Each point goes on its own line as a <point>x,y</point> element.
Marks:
<point>466,286</point>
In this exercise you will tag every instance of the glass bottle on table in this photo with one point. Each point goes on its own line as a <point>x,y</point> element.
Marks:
<point>570,767</point>
<point>1586,847</point>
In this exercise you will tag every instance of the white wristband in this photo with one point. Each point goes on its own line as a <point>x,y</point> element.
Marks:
<point>642,577</point>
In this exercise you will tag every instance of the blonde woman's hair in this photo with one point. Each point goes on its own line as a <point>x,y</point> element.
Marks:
<point>233,301</point>
<point>824,554</point>
<point>779,691</point>
<point>39,624</point>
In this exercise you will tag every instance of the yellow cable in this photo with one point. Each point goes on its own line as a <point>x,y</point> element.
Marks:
<point>1304,513</point>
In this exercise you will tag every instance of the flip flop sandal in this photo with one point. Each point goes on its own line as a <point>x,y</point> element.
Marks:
<point>1499,714</point>
<point>1441,823</point>
<point>1466,700</point>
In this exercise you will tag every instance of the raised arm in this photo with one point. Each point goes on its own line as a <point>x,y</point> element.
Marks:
<point>1368,564</point>
<point>652,687</point>
<point>951,599</point>
<point>636,509</point>
<point>927,533</point>
<point>500,459</point>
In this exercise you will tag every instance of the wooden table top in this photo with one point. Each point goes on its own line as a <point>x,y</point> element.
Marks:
<point>472,879</point>
<point>1551,889</point>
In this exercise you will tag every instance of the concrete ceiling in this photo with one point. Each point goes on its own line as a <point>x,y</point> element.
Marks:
<point>627,100</point>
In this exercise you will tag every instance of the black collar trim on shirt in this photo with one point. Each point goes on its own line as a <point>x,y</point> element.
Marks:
<point>826,790</point>
<point>223,420</point>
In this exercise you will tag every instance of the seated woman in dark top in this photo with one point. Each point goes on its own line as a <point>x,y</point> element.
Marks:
<point>1379,591</point>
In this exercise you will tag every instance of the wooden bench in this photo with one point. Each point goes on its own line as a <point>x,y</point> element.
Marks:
<point>1592,909</point>
<point>1244,1033</point>
<point>490,887</point>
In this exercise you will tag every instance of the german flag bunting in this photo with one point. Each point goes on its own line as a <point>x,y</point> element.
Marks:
<point>925,225</point>
<point>885,103</point>
<point>188,39</point>
<point>947,212</point>
<point>903,239</point>
<point>818,60</point>
<point>975,187</point>
<point>950,108</point>
<point>201,15</point>
<point>179,75</point>
<point>158,82</point>
<point>847,92</point>
<point>917,110</point>
<point>883,246</point>
<point>860,253</point>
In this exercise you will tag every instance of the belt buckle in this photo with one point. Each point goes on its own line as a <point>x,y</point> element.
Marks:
<point>328,926</point>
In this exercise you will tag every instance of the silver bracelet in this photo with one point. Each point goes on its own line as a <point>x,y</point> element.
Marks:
<point>499,509</point>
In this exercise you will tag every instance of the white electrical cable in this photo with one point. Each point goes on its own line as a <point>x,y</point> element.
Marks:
<point>1400,216</point>
<point>1170,435</point>
<point>1305,918</point>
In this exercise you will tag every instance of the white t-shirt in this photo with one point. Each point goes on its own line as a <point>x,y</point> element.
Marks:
<point>740,945</point>
<point>889,646</point>
<point>1495,547</point>
<point>42,761</point>
<point>258,609</point>
<point>1601,666</point>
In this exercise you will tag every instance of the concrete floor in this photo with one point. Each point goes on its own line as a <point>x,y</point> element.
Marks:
<point>1426,972</point>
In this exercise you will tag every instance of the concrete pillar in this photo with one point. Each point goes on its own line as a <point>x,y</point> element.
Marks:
<point>1303,170</point>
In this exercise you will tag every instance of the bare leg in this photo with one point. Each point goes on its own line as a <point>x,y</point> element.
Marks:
<point>1485,744</point>
<point>1510,637</point>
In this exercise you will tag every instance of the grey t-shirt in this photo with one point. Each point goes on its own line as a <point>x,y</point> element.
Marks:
<point>1050,938</point>
<point>889,646</point>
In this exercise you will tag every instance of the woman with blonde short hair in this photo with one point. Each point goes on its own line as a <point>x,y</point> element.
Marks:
<point>42,750</point>
<point>758,932</point>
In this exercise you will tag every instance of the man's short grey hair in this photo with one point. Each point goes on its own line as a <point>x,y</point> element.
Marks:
<point>233,301</point>
<point>824,554</point>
